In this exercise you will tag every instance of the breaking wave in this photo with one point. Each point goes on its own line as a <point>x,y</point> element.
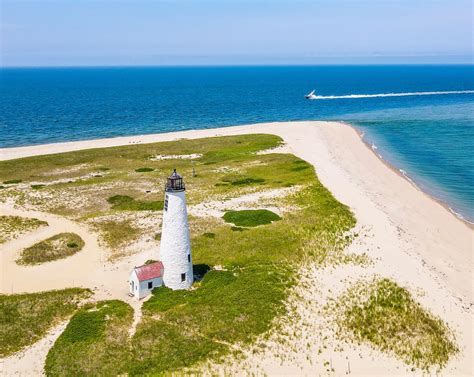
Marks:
<point>396,94</point>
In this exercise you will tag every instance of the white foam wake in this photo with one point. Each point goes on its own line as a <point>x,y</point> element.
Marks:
<point>396,94</point>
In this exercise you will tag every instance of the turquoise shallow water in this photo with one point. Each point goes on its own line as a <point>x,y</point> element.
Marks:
<point>430,137</point>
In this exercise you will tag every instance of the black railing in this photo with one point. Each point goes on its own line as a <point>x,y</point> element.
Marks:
<point>174,182</point>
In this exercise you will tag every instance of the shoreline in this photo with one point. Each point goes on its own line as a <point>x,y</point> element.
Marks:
<point>407,177</point>
<point>11,153</point>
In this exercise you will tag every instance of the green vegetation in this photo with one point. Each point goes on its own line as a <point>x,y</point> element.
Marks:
<point>95,342</point>
<point>127,203</point>
<point>144,170</point>
<point>37,187</point>
<point>60,246</point>
<point>385,315</point>
<point>25,318</point>
<point>249,217</point>
<point>12,181</point>
<point>12,226</point>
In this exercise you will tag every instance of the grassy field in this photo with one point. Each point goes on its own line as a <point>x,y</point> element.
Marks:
<point>25,318</point>
<point>386,316</point>
<point>60,246</point>
<point>12,226</point>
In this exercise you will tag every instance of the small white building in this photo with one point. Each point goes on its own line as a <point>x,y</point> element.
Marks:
<point>144,278</point>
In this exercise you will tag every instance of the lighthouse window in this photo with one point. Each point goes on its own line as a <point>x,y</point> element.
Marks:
<point>189,257</point>
<point>183,277</point>
<point>166,203</point>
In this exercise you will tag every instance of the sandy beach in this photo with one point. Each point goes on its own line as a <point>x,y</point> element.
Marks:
<point>409,235</point>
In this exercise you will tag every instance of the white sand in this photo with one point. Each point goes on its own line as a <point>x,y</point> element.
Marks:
<point>411,237</point>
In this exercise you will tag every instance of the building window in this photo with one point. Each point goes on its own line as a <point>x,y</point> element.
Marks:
<point>166,203</point>
<point>189,258</point>
<point>150,285</point>
<point>183,277</point>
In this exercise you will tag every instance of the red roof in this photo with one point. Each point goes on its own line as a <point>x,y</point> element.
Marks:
<point>149,271</point>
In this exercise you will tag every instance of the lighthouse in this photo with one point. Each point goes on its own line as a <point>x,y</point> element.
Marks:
<point>175,248</point>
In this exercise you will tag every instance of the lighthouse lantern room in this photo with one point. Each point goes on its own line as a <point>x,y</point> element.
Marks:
<point>175,248</point>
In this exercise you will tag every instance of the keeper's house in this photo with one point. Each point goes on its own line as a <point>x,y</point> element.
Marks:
<point>144,278</point>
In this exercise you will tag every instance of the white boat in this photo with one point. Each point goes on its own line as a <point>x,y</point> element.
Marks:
<point>310,95</point>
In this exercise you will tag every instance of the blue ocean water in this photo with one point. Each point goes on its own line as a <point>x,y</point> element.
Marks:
<point>430,137</point>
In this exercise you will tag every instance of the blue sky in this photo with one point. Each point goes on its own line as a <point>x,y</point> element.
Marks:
<point>146,32</point>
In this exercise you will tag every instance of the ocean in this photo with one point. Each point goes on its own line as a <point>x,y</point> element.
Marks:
<point>424,127</point>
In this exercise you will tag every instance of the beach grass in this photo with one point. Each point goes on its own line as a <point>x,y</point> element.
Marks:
<point>12,226</point>
<point>249,218</point>
<point>385,315</point>
<point>60,246</point>
<point>25,318</point>
<point>94,343</point>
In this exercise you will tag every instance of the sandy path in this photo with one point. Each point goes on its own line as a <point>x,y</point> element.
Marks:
<point>30,361</point>
<point>410,237</point>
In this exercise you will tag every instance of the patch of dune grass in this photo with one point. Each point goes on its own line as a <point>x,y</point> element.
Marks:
<point>385,315</point>
<point>95,342</point>
<point>60,246</point>
<point>243,181</point>
<point>250,218</point>
<point>144,170</point>
<point>12,181</point>
<point>127,203</point>
<point>13,226</point>
<point>25,318</point>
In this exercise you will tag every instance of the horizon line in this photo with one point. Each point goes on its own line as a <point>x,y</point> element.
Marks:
<point>217,65</point>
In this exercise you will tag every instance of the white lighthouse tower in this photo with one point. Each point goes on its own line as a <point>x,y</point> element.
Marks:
<point>175,249</point>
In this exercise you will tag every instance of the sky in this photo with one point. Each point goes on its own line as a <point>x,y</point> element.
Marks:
<point>195,32</point>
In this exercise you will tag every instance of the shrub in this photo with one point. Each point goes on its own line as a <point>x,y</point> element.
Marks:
<point>144,170</point>
<point>251,217</point>
<point>243,181</point>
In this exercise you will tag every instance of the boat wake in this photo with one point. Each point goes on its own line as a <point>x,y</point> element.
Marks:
<point>353,96</point>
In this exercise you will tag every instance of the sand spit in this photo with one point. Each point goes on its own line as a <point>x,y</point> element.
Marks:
<point>409,236</point>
